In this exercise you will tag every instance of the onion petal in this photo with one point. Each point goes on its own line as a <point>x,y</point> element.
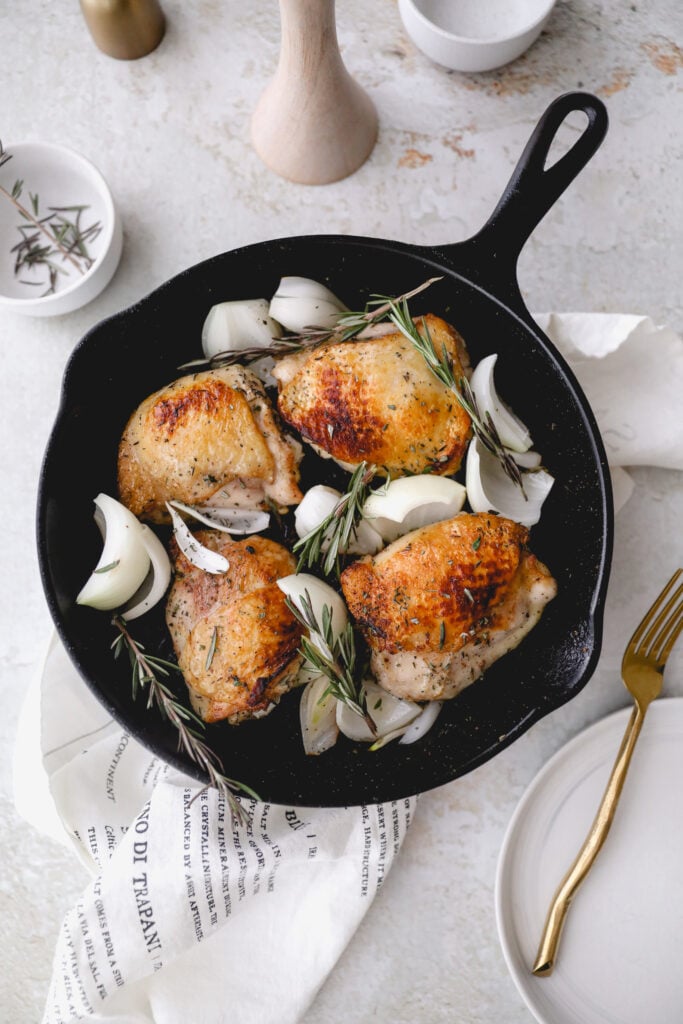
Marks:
<point>228,520</point>
<point>196,554</point>
<point>387,712</point>
<point>300,302</point>
<point>423,723</point>
<point>318,503</point>
<point>411,502</point>
<point>512,432</point>
<point>320,594</point>
<point>317,713</point>
<point>157,580</point>
<point>233,326</point>
<point>490,489</point>
<point>124,561</point>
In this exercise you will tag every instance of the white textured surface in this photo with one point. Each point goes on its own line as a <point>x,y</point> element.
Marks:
<point>170,133</point>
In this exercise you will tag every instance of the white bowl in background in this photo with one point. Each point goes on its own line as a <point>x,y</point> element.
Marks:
<point>59,177</point>
<point>474,35</point>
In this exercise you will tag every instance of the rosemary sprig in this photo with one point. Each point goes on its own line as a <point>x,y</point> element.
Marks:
<point>349,325</point>
<point>335,658</point>
<point>146,670</point>
<point>338,528</point>
<point>442,368</point>
<point>66,238</point>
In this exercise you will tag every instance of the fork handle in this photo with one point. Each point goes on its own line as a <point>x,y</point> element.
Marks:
<point>552,930</point>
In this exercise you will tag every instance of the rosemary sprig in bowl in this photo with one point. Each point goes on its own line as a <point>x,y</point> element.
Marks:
<point>146,672</point>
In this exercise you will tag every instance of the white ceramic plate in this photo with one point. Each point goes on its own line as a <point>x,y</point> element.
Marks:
<point>619,960</point>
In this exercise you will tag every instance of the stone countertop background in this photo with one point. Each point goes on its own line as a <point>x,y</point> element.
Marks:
<point>171,135</point>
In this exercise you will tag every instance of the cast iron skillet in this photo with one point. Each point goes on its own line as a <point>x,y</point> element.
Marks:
<point>125,358</point>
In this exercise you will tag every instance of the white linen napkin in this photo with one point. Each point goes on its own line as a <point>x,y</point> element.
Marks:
<point>191,919</point>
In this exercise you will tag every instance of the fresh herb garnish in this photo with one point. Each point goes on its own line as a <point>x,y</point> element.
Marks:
<point>212,648</point>
<point>335,657</point>
<point>50,241</point>
<point>338,528</point>
<point>108,568</point>
<point>146,670</point>
<point>349,325</point>
<point>442,368</point>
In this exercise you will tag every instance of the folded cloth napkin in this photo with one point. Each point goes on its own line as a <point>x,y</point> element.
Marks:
<point>190,917</point>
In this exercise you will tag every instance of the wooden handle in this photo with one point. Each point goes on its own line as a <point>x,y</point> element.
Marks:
<point>313,124</point>
<point>552,930</point>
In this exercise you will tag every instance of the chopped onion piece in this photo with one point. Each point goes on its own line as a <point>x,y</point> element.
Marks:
<point>124,561</point>
<point>158,578</point>
<point>413,501</point>
<point>318,503</point>
<point>423,723</point>
<point>233,326</point>
<point>320,594</point>
<point>490,489</point>
<point>387,712</point>
<point>317,713</point>
<point>513,433</point>
<point>196,554</point>
<point>300,302</point>
<point>229,520</point>
<point>382,741</point>
<point>527,460</point>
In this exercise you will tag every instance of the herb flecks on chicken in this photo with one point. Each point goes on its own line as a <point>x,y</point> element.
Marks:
<point>236,641</point>
<point>377,401</point>
<point>207,437</point>
<point>443,603</point>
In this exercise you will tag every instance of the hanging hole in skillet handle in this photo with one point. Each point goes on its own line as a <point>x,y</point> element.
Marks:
<point>537,183</point>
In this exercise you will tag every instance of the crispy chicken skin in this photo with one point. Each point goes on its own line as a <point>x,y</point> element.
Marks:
<point>201,434</point>
<point>240,615</point>
<point>376,400</point>
<point>441,604</point>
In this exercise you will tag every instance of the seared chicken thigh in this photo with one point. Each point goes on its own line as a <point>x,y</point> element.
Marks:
<point>376,400</point>
<point>441,604</point>
<point>206,433</point>
<point>235,639</point>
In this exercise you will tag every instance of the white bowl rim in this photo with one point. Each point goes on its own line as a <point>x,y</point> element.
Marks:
<point>108,226</point>
<point>477,41</point>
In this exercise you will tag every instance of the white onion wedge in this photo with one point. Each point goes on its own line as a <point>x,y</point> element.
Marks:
<point>318,503</point>
<point>196,554</point>
<point>423,723</point>
<point>157,580</point>
<point>320,594</point>
<point>317,713</point>
<point>124,561</point>
<point>234,326</point>
<point>389,713</point>
<point>413,501</point>
<point>513,433</point>
<point>490,489</point>
<point>228,520</point>
<point>527,460</point>
<point>300,302</point>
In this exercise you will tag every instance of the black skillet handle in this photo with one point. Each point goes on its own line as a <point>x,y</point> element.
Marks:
<point>533,189</point>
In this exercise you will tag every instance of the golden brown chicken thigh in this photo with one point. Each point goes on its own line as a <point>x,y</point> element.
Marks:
<point>204,434</point>
<point>235,639</point>
<point>376,400</point>
<point>441,604</point>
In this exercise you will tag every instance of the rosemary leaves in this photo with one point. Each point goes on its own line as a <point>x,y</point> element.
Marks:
<point>333,657</point>
<point>338,528</point>
<point>54,242</point>
<point>442,368</point>
<point>146,672</point>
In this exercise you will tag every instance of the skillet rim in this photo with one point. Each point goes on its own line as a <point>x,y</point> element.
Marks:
<point>440,257</point>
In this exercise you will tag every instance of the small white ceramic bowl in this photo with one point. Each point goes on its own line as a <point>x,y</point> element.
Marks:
<point>58,177</point>
<point>474,35</point>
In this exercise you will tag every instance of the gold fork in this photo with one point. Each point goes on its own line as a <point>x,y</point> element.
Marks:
<point>642,669</point>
